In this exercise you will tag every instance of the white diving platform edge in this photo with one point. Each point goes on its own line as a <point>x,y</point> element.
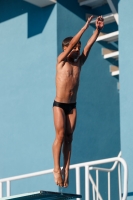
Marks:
<point>108,53</point>
<point>116,73</point>
<point>112,55</point>
<point>110,37</point>
<point>41,3</point>
<point>92,3</point>
<point>43,195</point>
<point>114,70</point>
<point>109,18</point>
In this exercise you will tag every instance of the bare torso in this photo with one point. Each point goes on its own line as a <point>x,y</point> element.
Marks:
<point>67,82</point>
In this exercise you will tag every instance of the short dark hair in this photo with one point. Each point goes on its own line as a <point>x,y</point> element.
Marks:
<point>66,41</point>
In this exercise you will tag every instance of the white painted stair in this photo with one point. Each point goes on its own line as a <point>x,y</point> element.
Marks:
<point>114,70</point>
<point>108,53</point>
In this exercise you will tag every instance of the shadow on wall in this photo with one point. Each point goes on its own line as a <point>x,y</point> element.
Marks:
<point>37,17</point>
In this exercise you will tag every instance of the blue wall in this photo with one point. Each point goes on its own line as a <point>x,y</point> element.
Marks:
<point>97,133</point>
<point>28,47</point>
<point>126,83</point>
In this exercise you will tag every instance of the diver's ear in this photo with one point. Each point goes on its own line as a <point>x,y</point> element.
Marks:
<point>64,48</point>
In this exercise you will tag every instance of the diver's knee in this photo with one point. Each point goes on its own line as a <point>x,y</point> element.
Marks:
<point>60,136</point>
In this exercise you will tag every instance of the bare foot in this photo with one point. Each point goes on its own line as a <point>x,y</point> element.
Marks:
<point>58,178</point>
<point>65,174</point>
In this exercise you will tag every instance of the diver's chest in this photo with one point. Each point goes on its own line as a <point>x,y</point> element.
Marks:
<point>72,71</point>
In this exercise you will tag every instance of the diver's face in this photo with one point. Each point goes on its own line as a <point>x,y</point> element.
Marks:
<point>75,51</point>
<point>74,54</point>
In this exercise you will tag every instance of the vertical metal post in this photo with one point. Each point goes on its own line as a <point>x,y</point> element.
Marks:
<point>78,181</point>
<point>8,188</point>
<point>87,182</point>
<point>0,189</point>
<point>97,182</point>
<point>108,185</point>
<point>119,180</point>
<point>93,192</point>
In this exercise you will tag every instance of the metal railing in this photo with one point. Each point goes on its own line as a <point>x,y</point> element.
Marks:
<point>95,187</point>
<point>88,178</point>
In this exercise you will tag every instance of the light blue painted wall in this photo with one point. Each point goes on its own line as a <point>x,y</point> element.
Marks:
<point>28,51</point>
<point>126,83</point>
<point>97,133</point>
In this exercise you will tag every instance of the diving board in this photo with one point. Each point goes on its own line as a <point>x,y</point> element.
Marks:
<point>40,195</point>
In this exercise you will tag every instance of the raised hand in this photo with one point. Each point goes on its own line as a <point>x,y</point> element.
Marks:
<point>99,22</point>
<point>88,22</point>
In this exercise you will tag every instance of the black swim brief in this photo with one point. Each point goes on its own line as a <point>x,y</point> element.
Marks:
<point>67,107</point>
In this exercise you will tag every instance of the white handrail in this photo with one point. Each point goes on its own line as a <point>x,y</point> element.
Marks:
<point>97,182</point>
<point>109,186</point>
<point>95,187</point>
<point>105,169</point>
<point>27,175</point>
<point>109,171</point>
<point>119,180</point>
<point>86,165</point>
<point>78,181</point>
